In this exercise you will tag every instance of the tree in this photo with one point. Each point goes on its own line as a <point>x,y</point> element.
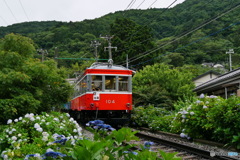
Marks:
<point>27,85</point>
<point>131,39</point>
<point>161,86</point>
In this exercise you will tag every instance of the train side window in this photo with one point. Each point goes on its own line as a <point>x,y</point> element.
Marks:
<point>110,83</point>
<point>123,83</point>
<point>84,85</point>
<point>96,83</point>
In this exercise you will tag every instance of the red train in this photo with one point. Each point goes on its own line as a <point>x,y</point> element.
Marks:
<point>103,91</point>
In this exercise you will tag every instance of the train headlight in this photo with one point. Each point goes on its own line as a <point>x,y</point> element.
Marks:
<point>128,105</point>
<point>92,105</point>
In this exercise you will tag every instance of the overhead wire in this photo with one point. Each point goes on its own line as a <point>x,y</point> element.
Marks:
<point>132,4</point>
<point>152,3</point>
<point>4,20</point>
<point>10,11</point>
<point>129,4</point>
<point>198,40</point>
<point>148,39</point>
<point>148,23</point>
<point>197,28</point>
<point>151,38</point>
<point>140,4</point>
<point>24,10</point>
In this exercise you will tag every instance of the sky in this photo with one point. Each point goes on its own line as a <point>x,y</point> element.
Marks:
<point>17,11</point>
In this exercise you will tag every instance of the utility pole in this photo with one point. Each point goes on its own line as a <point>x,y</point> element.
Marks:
<point>108,38</point>
<point>56,55</point>
<point>127,61</point>
<point>41,51</point>
<point>95,44</point>
<point>231,51</point>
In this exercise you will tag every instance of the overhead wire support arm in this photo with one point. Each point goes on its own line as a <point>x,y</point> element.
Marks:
<point>95,44</point>
<point>108,38</point>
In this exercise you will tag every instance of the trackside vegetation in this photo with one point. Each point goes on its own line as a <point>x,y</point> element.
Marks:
<point>206,117</point>
<point>28,85</point>
<point>58,136</point>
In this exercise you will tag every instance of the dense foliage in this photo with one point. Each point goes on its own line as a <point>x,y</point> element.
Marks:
<point>57,136</point>
<point>210,117</point>
<point>206,44</point>
<point>152,117</point>
<point>27,85</point>
<point>161,86</point>
<point>206,117</point>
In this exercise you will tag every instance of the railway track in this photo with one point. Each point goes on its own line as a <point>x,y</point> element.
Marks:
<point>185,151</point>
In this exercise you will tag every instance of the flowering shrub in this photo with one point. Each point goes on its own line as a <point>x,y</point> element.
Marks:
<point>32,135</point>
<point>152,117</point>
<point>209,117</point>
<point>57,136</point>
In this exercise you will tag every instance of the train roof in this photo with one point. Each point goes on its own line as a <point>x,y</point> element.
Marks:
<point>100,65</point>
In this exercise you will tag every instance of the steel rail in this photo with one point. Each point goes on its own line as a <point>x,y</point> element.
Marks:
<point>189,149</point>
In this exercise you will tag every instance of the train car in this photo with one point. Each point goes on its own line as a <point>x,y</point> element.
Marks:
<point>103,91</point>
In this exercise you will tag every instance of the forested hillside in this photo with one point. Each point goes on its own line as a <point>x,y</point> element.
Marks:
<point>190,33</point>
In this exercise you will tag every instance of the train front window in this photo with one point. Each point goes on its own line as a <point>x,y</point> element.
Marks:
<point>110,83</point>
<point>123,83</point>
<point>96,83</point>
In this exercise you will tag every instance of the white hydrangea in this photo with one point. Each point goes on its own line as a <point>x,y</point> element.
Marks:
<point>39,129</point>
<point>14,138</point>
<point>50,150</point>
<point>32,118</point>
<point>68,115</point>
<point>9,121</point>
<point>36,125</point>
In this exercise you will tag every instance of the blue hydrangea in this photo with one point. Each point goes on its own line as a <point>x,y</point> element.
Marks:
<point>148,144</point>
<point>53,154</point>
<point>131,152</point>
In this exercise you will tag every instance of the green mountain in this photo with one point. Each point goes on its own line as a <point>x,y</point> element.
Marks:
<point>198,31</point>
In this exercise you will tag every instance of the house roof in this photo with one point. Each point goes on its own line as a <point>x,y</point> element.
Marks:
<point>204,74</point>
<point>221,81</point>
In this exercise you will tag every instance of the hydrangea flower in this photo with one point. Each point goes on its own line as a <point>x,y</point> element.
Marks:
<point>205,107</point>
<point>14,138</point>
<point>51,153</point>
<point>191,113</point>
<point>37,155</point>
<point>182,135</point>
<point>39,129</point>
<point>148,144</point>
<point>212,96</point>
<point>36,125</point>
<point>184,116</point>
<point>9,121</point>
<point>131,152</point>
<point>198,102</point>
<point>201,96</point>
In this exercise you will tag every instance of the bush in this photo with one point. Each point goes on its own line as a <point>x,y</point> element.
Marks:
<point>152,117</point>
<point>210,117</point>
<point>57,136</point>
<point>34,134</point>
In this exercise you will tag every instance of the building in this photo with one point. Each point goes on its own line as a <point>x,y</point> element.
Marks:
<point>205,77</point>
<point>225,85</point>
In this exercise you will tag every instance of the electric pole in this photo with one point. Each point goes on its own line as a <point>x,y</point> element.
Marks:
<point>231,51</point>
<point>95,44</point>
<point>56,55</point>
<point>127,61</point>
<point>41,51</point>
<point>108,38</point>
